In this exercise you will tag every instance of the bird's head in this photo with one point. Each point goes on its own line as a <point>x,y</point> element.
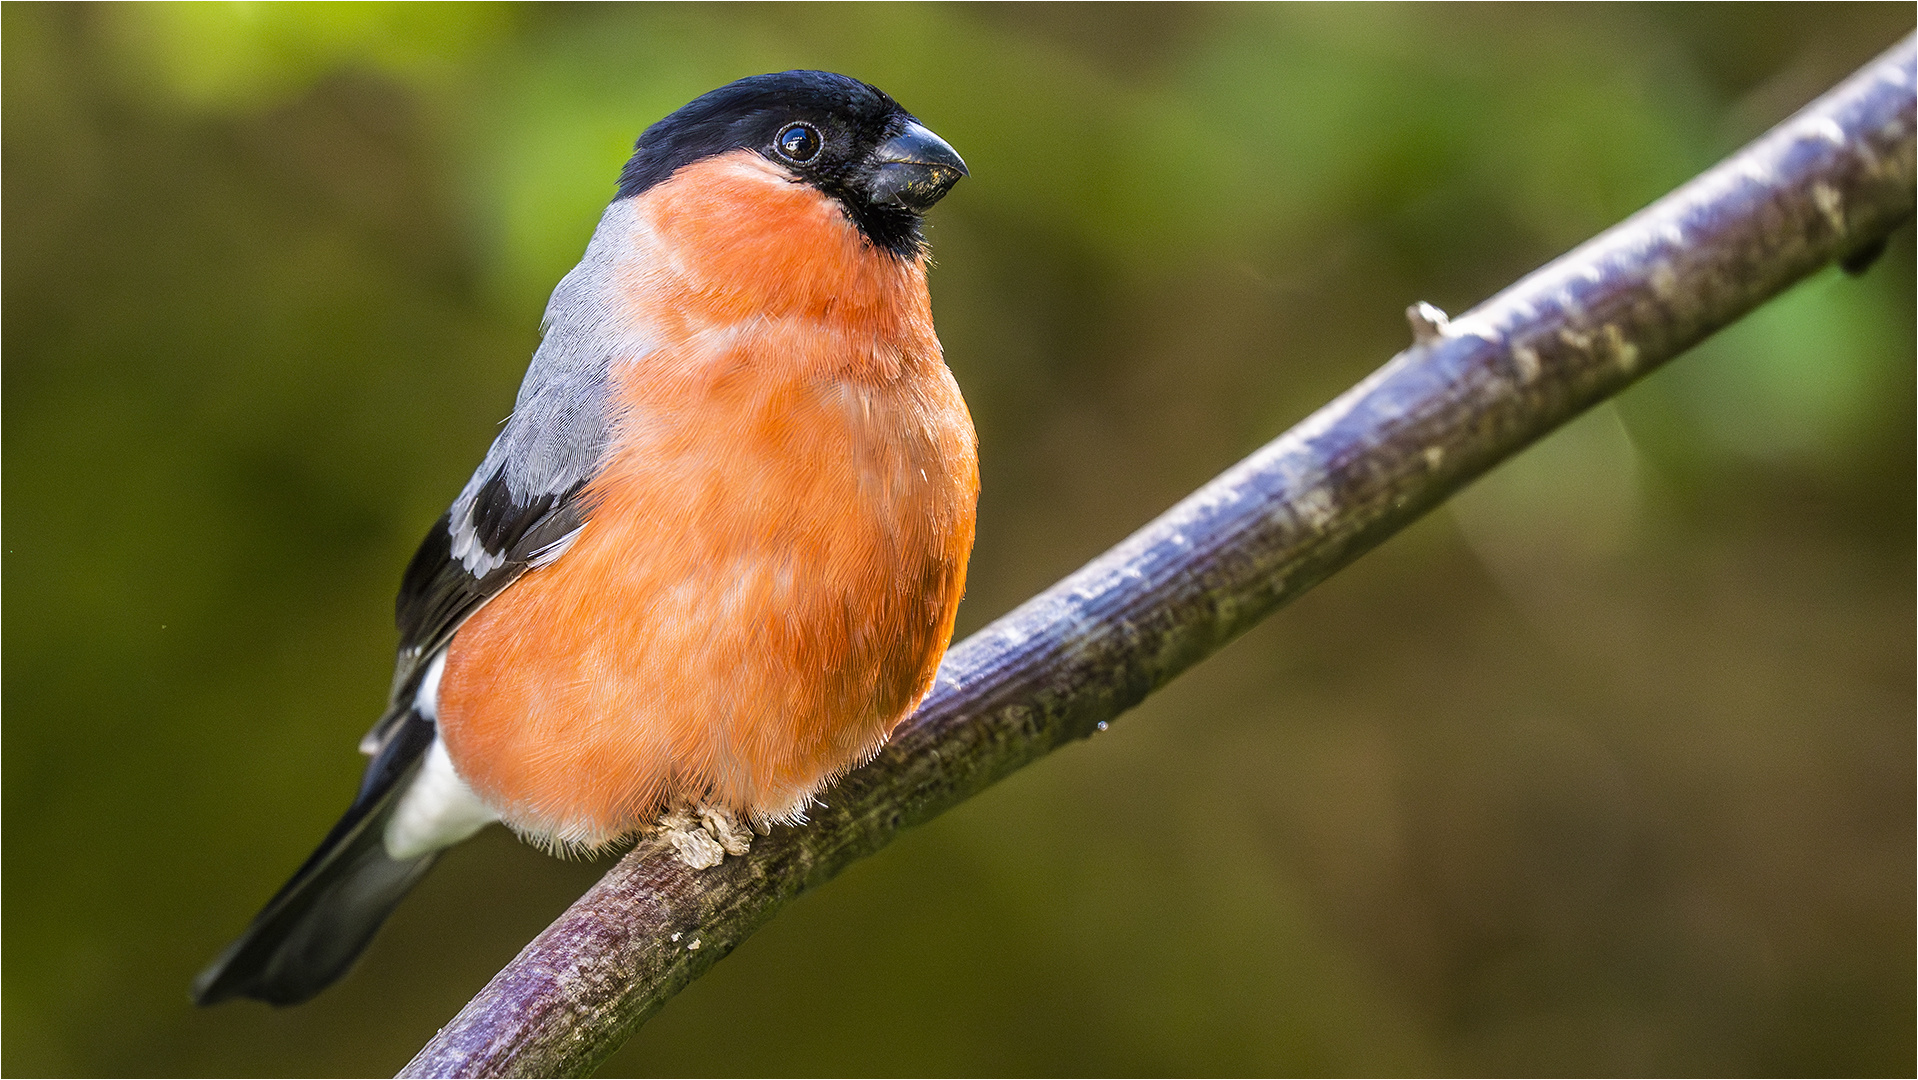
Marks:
<point>848,139</point>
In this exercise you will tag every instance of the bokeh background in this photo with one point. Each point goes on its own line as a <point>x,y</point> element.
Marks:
<point>1606,768</point>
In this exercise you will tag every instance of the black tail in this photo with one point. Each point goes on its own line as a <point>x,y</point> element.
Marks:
<point>319,922</point>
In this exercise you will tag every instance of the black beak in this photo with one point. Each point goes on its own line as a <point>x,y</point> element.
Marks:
<point>913,169</point>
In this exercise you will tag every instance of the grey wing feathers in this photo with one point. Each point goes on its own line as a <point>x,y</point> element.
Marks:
<point>524,504</point>
<point>551,445</point>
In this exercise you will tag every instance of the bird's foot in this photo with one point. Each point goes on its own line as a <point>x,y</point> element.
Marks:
<point>704,836</point>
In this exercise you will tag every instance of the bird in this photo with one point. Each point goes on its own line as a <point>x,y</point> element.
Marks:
<point>715,553</point>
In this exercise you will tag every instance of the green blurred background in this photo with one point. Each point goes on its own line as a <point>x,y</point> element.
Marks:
<point>1606,768</point>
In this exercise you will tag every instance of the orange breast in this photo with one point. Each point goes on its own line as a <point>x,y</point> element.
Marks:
<point>776,546</point>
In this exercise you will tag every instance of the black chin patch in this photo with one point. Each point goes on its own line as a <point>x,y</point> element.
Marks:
<point>893,229</point>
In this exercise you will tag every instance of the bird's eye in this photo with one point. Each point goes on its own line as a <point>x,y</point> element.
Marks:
<point>798,142</point>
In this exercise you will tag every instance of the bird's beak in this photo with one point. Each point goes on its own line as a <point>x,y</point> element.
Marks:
<point>914,169</point>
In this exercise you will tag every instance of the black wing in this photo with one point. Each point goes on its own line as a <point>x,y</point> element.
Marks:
<point>439,590</point>
<point>488,539</point>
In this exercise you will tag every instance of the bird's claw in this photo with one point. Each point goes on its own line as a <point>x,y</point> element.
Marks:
<point>703,837</point>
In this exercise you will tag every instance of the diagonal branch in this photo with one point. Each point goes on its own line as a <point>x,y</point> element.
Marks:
<point>1830,183</point>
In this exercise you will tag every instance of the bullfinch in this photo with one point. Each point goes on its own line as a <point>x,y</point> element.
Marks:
<point>713,557</point>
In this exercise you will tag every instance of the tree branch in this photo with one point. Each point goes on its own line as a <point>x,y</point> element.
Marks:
<point>1830,183</point>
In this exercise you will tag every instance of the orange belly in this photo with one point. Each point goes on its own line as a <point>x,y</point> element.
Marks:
<point>747,614</point>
